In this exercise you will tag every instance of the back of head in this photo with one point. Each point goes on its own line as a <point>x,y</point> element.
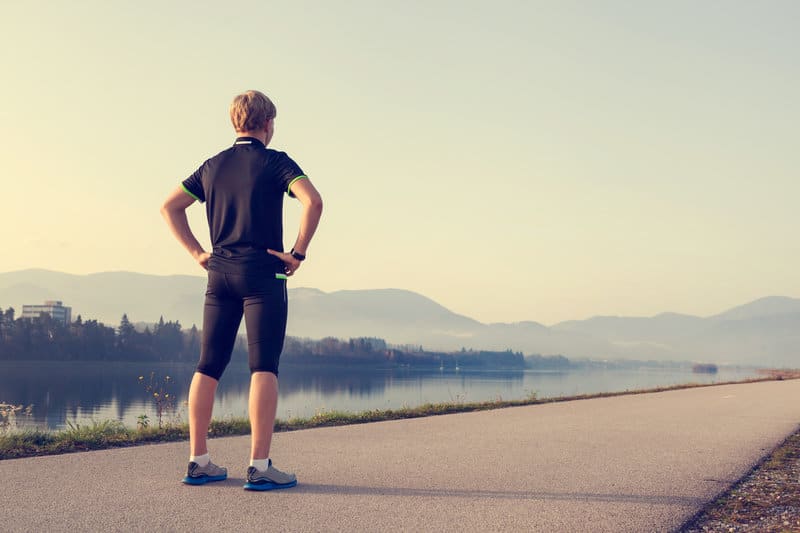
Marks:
<point>251,110</point>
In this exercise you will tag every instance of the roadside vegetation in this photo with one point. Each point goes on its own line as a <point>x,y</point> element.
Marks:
<point>17,441</point>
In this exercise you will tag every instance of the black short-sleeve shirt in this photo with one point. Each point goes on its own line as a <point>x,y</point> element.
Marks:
<point>243,190</point>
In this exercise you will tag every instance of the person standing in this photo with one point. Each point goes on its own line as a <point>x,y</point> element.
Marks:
<point>243,188</point>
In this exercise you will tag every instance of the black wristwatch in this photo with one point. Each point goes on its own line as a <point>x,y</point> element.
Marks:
<point>297,255</point>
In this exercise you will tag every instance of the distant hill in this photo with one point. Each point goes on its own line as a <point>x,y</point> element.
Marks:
<point>763,307</point>
<point>107,295</point>
<point>393,314</point>
<point>764,332</point>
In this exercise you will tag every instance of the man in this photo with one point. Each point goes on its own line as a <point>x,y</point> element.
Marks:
<point>243,189</point>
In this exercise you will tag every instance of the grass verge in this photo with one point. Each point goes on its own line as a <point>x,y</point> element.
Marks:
<point>98,435</point>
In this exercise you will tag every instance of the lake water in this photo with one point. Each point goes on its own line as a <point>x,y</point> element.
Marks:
<point>80,392</point>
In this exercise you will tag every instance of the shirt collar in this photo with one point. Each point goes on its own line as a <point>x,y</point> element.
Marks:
<point>245,141</point>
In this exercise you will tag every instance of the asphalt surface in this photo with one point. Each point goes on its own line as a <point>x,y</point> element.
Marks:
<point>643,462</point>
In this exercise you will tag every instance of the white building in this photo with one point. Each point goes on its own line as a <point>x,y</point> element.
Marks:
<point>54,308</point>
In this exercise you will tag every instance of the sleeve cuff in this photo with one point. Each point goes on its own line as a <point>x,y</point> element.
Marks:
<point>289,188</point>
<point>190,193</point>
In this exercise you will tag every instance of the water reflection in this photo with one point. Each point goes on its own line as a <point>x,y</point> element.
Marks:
<point>81,391</point>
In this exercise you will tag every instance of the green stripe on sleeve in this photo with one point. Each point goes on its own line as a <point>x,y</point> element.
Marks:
<point>281,276</point>
<point>289,188</point>
<point>187,191</point>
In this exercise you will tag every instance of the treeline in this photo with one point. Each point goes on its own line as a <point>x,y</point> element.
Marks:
<point>43,338</point>
<point>368,349</point>
<point>547,362</point>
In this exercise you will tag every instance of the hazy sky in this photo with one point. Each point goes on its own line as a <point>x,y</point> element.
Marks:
<point>513,160</point>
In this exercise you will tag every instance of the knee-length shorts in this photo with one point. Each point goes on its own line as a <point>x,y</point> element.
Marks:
<point>262,300</point>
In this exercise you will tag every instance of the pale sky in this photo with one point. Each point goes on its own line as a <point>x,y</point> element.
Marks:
<point>512,160</point>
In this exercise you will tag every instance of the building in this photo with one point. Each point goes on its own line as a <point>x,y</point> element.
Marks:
<point>54,308</point>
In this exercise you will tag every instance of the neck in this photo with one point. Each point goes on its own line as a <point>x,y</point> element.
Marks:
<point>260,135</point>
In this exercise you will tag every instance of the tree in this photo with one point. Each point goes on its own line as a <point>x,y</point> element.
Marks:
<point>193,348</point>
<point>125,332</point>
<point>168,340</point>
<point>5,325</point>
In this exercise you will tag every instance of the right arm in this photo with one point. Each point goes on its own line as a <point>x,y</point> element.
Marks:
<point>174,212</point>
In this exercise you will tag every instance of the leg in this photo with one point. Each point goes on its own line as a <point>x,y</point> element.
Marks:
<point>261,475</point>
<point>201,402</point>
<point>263,405</point>
<point>265,318</point>
<point>201,399</point>
<point>222,315</point>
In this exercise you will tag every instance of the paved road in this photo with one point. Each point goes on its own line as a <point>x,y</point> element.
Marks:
<point>630,463</point>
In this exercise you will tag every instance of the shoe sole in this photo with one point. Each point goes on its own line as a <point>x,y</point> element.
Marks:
<point>269,486</point>
<point>202,480</point>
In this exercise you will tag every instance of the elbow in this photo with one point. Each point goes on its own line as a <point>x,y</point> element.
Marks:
<point>316,202</point>
<point>168,210</point>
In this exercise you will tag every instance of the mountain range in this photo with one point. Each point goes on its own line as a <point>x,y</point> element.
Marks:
<point>763,332</point>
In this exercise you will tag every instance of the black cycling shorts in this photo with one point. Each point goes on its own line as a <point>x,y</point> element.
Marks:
<point>262,300</point>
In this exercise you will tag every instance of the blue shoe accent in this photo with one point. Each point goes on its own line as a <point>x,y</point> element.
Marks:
<point>267,485</point>
<point>200,475</point>
<point>202,480</point>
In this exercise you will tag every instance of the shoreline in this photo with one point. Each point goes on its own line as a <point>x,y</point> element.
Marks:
<point>80,393</point>
<point>21,443</point>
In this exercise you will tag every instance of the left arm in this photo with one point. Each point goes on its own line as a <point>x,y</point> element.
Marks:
<point>174,212</point>
<point>311,200</point>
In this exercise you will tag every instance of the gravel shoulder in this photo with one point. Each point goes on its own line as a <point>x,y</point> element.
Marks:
<point>766,500</point>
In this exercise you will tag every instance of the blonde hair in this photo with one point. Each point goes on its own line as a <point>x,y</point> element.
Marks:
<point>251,110</point>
